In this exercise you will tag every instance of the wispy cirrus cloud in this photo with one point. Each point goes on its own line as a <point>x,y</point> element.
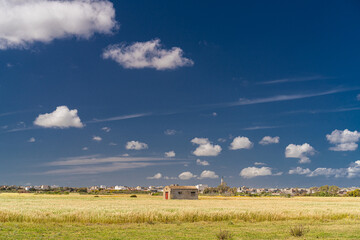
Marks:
<point>241,102</point>
<point>260,127</point>
<point>295,79</point>
<point>97,159</point>
<point>316,111</point>
<point>280,98</point>
<point>96,164</point>
<point>121,117</point>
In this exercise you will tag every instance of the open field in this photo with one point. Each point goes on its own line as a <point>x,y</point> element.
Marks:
<point>26,216</point>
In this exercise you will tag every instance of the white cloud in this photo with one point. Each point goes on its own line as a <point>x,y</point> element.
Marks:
<point>97,138</point>
<point>300,171</point>
<point>172,178</point>
<point>156,176</point>
<point>241,143</point>
<point>208,174</point>
<point>25,22</point>
<point>170,154</point>
<point>205,148</point>
<point>31,140</point>
<point>170,132</point>
<point>202,163</point>
<point>106,129</point>
<point>251,172</point>
<point>85,148</point>
<point>300,151</point>
<point>343,140</point>
<point>214,114</point>
<point>95,164</point>
<point>136,145</point>
<point>358,97</point>
<point>269,140</point>
<point>146,55</point>
<point>328,172</point>
<point>200,141</point>
<point>221,140</point>
<point>259,163</point>
<point>352,171</point>
<point>112,144</point>
<point>186,175</point>
<point>62,117</point>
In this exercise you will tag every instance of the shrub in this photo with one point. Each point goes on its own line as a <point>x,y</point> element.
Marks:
<point>133,196</point>
<point>297,231</point>
<point>224,235</point>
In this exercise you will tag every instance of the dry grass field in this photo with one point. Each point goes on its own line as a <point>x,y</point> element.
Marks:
<point>29,216</point>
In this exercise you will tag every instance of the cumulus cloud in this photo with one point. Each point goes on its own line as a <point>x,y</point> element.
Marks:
<point>259,163</point>
<point>170,132</point>
<point>300,171</point>
<point>25,22</point>
<point>328,172</point>
<point>172,178</point>
<point>97,138</point>
<point>208,174</point>
<point>186,175</point>
<point>343,140</point>
<point>106,129</point>
<point>148,54</point>
<point>269,140</point>
<point>31,140</point>
<point>170,154</point>
<point>241,143</point>
<point>202,163</point>
<point>156,176</point>
<point>136,145</point>
<point>62,117</point>
<point>354,169</point>
<point>350,172</point>
<point>251,172</point>
<point>205,148</point>
<point>300,151</point>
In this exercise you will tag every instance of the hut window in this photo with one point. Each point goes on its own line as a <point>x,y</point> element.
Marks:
<point>192,193</point>
<point>179,192</point>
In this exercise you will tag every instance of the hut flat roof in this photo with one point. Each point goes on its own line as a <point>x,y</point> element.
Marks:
<point>183,187</point>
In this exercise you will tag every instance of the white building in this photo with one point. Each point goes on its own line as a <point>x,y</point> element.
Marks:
<point>201,187</point>
<point>120,187</point>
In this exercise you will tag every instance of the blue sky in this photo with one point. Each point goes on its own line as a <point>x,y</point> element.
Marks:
<point>97,92</point>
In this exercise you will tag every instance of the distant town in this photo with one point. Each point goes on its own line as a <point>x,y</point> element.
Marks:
<point>204,189</point>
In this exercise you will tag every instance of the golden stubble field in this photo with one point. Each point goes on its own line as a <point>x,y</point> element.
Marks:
<point>120,209</point>
<point>31,216</point>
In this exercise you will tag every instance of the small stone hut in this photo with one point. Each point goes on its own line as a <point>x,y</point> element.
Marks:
<point>180,192</point>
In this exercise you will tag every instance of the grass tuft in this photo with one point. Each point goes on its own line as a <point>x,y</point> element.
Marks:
<point>224,235</point>
<point>297,231</point>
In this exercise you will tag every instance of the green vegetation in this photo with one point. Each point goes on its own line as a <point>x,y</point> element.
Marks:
<point>355,193</point>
